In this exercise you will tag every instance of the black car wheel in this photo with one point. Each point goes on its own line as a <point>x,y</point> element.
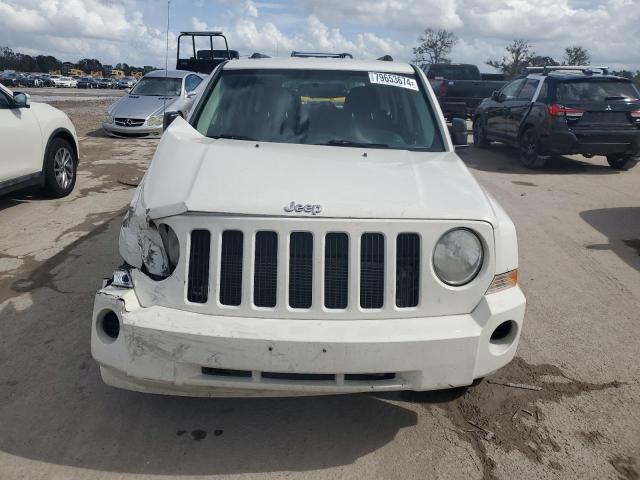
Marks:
<point>480,133</point>
<point>60,167</point>
<point>530,149</point>
<point>622,162</point>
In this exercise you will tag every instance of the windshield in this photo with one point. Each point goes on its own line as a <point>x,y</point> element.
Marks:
<point>158,86</point>
<point>341,108</point>
<point>595,91</point>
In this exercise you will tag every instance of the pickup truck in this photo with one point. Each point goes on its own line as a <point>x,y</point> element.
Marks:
<point>460,87</point>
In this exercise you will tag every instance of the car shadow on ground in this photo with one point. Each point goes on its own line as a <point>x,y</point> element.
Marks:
<point>622,228</point>
<point>501,158</point>
<point>55,409</point>
<point>21,196</point>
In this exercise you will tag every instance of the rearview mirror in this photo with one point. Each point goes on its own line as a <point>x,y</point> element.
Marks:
<point>458,132</point>
<point>21,100</point>
<point>169,117</point>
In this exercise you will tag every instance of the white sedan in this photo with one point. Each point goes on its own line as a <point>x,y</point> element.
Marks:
<point>38,146</point>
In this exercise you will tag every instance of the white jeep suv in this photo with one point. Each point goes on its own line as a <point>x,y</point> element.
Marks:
<point>309,229</point>
<point>38,146</point>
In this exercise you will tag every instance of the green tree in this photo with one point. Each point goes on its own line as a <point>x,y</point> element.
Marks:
<point>518,57</point>
<point>89,65</point>
<point>434,46</point>
<point>576,55</point>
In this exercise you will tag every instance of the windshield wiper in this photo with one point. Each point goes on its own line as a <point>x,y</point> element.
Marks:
<point>231,136</point>
<point>349,143</point>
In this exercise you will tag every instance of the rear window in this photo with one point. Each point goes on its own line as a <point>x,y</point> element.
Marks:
<point>580,91</point>
<point>321,107</point>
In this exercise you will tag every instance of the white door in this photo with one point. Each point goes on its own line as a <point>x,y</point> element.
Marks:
<point>20,141</point>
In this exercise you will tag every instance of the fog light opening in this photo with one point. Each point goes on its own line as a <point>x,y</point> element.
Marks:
<point>502,331</point>
<point>109,326</point>
<point>503,337</point>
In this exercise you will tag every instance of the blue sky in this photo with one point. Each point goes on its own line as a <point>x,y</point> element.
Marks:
<point>133,31</point>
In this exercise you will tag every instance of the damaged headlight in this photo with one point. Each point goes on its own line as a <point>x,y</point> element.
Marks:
<point>144,245</point>
<point>107,118</point>
<point>171,245</point>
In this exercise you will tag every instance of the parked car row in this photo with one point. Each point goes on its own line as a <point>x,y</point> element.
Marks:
<point>14,80</point>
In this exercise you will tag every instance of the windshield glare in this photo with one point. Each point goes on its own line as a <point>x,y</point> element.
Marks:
<point>595,91</point>
<point>158,86</point>
<point>341,108</point>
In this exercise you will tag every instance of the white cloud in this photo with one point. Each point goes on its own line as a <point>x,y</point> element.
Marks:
<point>120,30</point>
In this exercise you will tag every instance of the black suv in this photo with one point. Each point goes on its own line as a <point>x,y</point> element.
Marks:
<point>564,111</point>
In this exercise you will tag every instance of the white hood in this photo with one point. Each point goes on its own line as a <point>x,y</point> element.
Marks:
<point>193,173</point>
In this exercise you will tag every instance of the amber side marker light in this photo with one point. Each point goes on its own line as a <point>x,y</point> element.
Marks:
<point>503,281</point>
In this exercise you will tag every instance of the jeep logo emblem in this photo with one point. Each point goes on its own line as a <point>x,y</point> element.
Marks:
<point>300,208</point>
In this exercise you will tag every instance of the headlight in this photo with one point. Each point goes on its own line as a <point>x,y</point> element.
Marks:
<point>107,118</point>
<point>458,256</point>
<point>155,121</point>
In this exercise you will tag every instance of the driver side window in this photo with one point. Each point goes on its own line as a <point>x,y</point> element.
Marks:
<point>511,91</point>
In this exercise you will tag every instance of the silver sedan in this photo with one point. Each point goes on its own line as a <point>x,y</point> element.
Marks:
<point>140,112</point>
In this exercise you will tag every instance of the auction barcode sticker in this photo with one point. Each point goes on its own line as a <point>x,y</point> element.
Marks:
<point>393,80</point>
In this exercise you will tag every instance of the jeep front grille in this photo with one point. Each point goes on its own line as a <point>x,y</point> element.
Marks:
<point>300,269</point>
<point>312,268</point>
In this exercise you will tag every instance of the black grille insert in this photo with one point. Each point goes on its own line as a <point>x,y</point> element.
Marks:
<point>369,377</point>
<point>300,270</point>
<point>198,278</point>
<point>265,278</point>
<point>231,268</point>
<point>372,270</point>
<point>299,376</point>
<point>336,270</point>
<point>407,270</point>
<point>225,372</point>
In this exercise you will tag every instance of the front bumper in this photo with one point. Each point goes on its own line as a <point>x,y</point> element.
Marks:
<point>143,130</point>
<point>169,351</point>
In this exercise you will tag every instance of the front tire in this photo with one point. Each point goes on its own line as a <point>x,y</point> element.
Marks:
<point>60,167</point>
<point>530,149</point>
<point>480,139</point>
<point>622,162</point>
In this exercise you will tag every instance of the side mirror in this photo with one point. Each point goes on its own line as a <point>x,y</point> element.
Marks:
<point>21,100</point>
<point>127,90</point>
<point>191,94</point>
<point>495,95</point>
<point>458,132</point>
<point>169,117</point>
